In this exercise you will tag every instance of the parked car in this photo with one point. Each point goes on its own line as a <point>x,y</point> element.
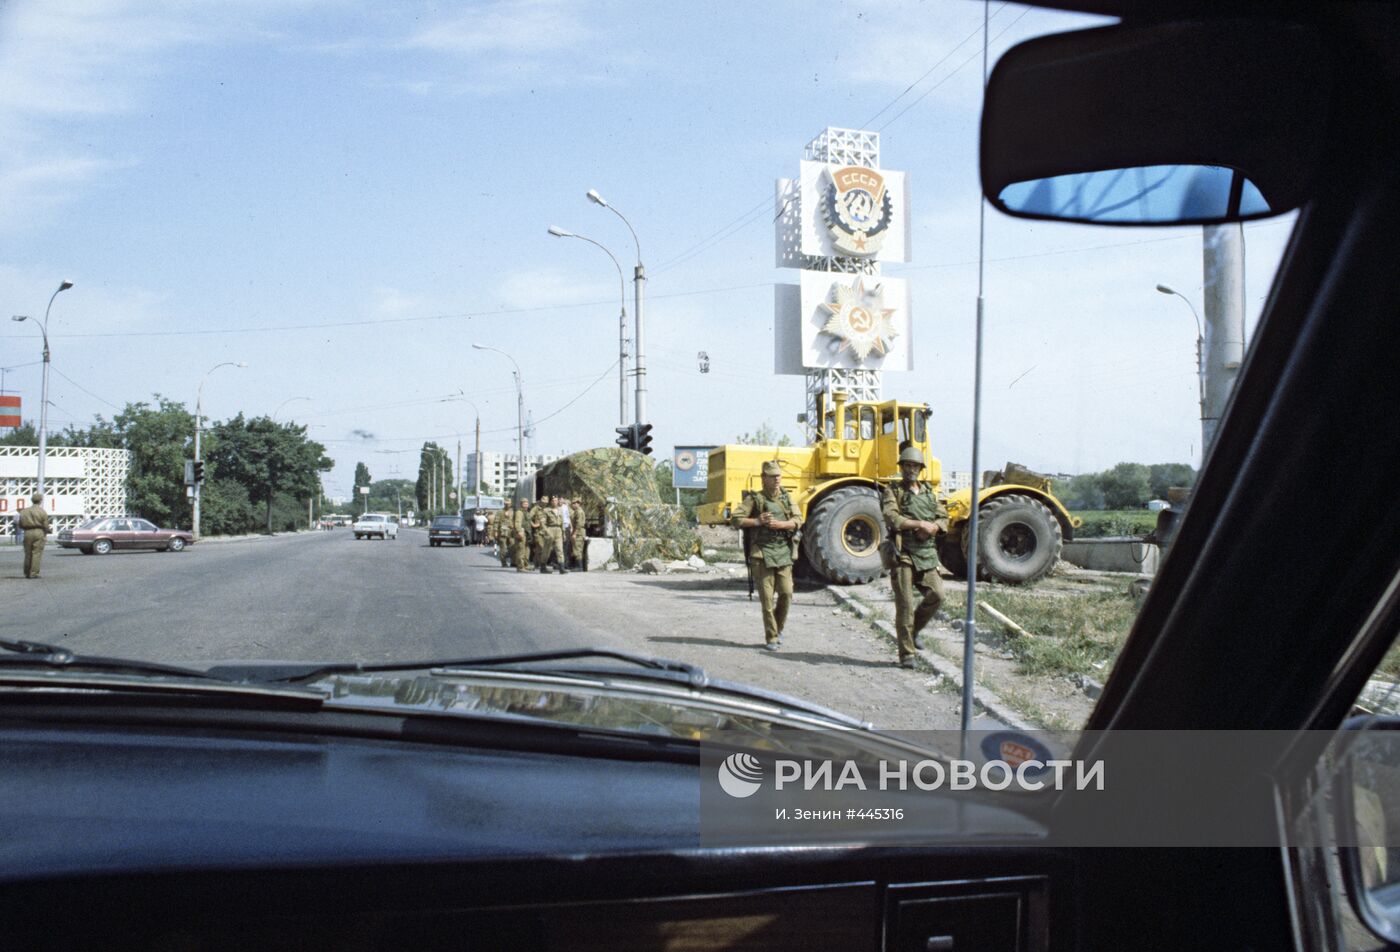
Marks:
<point>376,524</point>
<point>446,529</point>
<point>100,536</point>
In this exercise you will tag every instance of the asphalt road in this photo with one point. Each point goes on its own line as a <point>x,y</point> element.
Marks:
<point>303,597</point>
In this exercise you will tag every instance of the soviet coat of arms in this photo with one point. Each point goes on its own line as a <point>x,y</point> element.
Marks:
<point>857,209</point>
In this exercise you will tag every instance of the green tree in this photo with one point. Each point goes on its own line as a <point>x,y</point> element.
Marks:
<point>267,458</point>
<point>1163,476</point>
<point>361,476</point>
<point>1125,486</point>
<point>160,438</point>
<point>765,435</point>
<point>434,472</point>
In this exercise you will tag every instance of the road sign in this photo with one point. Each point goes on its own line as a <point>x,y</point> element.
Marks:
<point>364,490</point>
<point>690,467</point>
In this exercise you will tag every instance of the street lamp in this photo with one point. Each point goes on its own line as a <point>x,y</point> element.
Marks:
<point>621,321</point>
<point>519,412</point>
<point>44,387</point>
<point>198,427</point>
<point>284,403</point>
<point>1200,368</point>
<point>639,277</point>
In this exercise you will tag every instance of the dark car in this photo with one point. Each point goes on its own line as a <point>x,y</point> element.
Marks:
<point>100,536</point>
<point>446,529</point>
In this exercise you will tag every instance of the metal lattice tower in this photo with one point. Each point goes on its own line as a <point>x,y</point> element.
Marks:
<point>102,483</point>
<point>842,147</point>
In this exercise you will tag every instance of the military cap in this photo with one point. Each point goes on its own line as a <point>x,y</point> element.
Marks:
<point>911,454</point>
<point>37,497</point>
<point>771,468</point>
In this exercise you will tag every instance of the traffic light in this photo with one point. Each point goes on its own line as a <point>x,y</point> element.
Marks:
<point>627,437</point>
<point>199,470</point>
<point>643,439</point>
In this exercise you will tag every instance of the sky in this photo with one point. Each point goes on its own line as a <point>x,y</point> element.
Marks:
<point>347,196</point>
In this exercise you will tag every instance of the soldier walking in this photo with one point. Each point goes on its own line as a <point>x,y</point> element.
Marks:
<point>549,536</point>
<point>500,531</point>
<point>35,523</point>
<point>775,522</point>
<point>914,515</point>
<point>520,536</point>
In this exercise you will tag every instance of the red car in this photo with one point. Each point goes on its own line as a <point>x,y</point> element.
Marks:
<point>101,536</point>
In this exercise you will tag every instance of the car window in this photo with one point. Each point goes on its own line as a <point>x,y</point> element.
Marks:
<point>283,303</point>
<point>141,525</point>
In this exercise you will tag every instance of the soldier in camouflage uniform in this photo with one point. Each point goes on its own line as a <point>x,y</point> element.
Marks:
<point>549,536</point>
<point>520,536</point>
<point>914,516</point>
<point>579,524</point>
<point>776,523</point>
<point>500,532</point>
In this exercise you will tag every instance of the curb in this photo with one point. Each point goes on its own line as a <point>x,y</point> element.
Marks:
<point>984,697</point>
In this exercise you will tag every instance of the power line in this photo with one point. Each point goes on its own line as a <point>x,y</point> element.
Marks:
<point>954,49</point>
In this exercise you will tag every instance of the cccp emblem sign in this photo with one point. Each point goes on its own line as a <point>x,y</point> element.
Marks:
<point>857,209</point>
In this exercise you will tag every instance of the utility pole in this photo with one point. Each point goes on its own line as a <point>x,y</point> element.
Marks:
<point>1223,297</point>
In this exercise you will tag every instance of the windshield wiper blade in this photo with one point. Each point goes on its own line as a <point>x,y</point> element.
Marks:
<point>694,675</point>
<point>38,654</point>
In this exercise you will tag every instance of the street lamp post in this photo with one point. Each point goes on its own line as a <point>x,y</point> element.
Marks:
<point>1200,367</point>
<point>198,428</point>
<point>639,278</point>
<point>621,322</point>
<point>519,413</point>
<point>44,386</point>
<point>476,481</point>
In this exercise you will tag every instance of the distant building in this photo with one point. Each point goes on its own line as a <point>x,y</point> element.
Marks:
<point>953,480</point>
<point>498,472</point>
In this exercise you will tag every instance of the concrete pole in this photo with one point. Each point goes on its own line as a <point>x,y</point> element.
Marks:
<point>639,360</point>
<point>1223,297</point>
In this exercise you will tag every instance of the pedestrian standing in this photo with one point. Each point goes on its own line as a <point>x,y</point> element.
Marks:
<point>500,530</point>
<point>479,528</point>
<point>775,522</point>
<point>580,534</point>
<point>914,517</point>
<point>35,523</point>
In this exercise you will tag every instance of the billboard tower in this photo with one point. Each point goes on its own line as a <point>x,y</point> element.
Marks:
<point>844,324</point>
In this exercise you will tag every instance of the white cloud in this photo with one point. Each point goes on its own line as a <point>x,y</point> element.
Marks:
<point>512,27</point>
<point>30,187</point>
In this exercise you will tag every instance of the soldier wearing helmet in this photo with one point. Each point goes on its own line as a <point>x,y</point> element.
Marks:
<point>775,523</point>
<point>914,516</point>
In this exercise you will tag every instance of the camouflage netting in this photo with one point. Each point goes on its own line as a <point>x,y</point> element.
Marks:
<point>618,488</point>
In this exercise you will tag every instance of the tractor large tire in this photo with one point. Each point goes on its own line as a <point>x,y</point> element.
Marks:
<point>842,536</point>
<point>1018,538</point>
<point>953,554</point>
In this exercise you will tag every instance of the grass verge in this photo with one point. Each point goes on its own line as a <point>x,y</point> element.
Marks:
<point>1079,635</point>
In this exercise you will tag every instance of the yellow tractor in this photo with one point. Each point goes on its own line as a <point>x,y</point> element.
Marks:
<point>835,484</point>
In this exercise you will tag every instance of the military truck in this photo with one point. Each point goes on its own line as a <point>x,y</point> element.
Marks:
<point>835,484</point>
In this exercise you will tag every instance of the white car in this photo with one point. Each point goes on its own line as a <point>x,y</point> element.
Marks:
<point>376,524</point>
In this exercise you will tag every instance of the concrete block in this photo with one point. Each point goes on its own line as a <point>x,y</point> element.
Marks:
<point>597,552</point>
<point>1113,555</point>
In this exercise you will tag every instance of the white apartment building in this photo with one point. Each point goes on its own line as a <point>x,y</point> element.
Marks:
<point>955,479</point>
<point>498,471</point>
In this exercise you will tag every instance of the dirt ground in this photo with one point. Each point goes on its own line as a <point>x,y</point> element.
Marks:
<point>829,656</point>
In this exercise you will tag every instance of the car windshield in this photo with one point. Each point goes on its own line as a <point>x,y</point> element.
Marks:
<point>615,262</point>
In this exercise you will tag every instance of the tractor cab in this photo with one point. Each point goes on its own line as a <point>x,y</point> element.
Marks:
<point>856,438</point>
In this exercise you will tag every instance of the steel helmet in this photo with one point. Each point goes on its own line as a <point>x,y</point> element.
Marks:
<point>911,454</point>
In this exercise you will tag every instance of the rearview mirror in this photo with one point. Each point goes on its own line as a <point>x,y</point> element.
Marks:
<point>1367,796</point>
<point>1171,123</point>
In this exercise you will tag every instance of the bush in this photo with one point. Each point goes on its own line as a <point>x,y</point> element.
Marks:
<point>1110,522</point>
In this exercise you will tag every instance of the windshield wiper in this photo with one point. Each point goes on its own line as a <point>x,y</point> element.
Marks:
<point>38,654</point>
<point>294,674</point>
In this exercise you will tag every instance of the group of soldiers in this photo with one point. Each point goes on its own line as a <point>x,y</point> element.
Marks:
<point>914,518</point>
<point>550,532</point>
